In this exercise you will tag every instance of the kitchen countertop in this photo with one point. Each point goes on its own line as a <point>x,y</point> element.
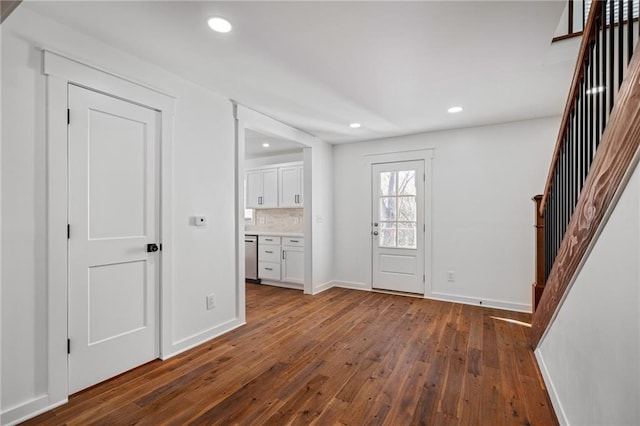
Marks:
<point>274,234</point>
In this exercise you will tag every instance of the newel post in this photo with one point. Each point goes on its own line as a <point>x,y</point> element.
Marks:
<point>538,285</point>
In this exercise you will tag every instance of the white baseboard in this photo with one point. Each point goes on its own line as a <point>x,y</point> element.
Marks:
<point>200,338</point>
<point>283,284</point>
<point>352,285</point>
<point>499,304</point>
<point>322,287</point>
<point>28,410</point>
<point>551,390</point>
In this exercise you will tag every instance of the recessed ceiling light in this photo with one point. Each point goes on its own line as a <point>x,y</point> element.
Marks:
<point>265,145</point>
<point>354,125</point>
<point>455,109</point>
<point>220,25</point>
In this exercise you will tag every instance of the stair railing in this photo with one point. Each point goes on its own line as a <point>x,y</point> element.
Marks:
<point>596,146</point>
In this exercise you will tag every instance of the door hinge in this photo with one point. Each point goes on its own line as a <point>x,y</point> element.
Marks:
<point>68,116</point>
<point>424,279</point>
<point>424,227</point>
<point>68,231</point>
<point>424,177</point>
<point>68,346</point>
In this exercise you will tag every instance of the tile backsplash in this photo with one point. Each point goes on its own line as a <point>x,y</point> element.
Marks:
<point>276,220</point>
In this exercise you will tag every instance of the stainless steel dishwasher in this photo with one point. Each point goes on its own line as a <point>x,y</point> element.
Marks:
<point>251,258</point>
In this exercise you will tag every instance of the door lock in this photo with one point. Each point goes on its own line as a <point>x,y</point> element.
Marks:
<point>375,224</point>
<point>152,248</point>
<point>375,232</point>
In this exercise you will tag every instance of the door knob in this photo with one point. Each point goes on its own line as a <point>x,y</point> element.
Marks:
<point>375,224</point>
<point>375,232</point>
<point>152,248</point>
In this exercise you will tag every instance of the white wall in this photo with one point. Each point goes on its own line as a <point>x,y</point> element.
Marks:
<point>482,216</point>
<point>590,355</point>
<point>203,161</point>
<point>322,216</point>
<point>0,224</point>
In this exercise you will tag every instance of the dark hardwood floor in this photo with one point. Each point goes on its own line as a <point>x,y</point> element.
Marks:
<point>341,357</point>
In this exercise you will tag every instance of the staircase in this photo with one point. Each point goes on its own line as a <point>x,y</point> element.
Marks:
<point>596,150</point>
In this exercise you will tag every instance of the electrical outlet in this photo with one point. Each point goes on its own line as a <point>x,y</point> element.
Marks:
<point>211,301</point>
<point>451,276</point>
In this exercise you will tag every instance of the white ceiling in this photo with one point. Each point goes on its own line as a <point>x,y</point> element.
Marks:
<point>393,66</point>
<point>253,145</point>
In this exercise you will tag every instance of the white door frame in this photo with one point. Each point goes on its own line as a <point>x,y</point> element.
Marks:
<point>246,118</point>
<point>62,71</point>
<point>427,156</point>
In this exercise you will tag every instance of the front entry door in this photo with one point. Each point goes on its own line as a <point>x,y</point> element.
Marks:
<point>113,217</point>
<point>398,226</point>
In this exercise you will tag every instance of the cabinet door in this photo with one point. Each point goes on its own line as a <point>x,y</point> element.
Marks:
<point>269,188</point>
<point>254,190</point>
<point>293,264</point>
<point>300,186</point>
<point>289,186</point>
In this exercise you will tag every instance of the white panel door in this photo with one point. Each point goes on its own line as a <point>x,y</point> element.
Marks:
<point>113,216</point>
<point>397,226</point>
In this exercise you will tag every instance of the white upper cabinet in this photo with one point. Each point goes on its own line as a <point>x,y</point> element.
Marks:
<point>262,189</point>
<point>291,186</point>
<point>275,187</point>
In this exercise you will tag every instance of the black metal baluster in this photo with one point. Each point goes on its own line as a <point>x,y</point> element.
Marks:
<point>629,30</point>
<point>554,217</point>
<point>561,189</point>
<point>603,83</point>
<point>565,200</point>
<point>569,140</point>
<point>612,50</point>
<point>576,145</point>
<point>583,133</point>
<point>620,43</point>
<point>598,87</point>
<point>546,240</point>
<point>588,69</point>
<point>576,130</point>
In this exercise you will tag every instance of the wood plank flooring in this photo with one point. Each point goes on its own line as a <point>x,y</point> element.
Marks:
<point>341,357</point>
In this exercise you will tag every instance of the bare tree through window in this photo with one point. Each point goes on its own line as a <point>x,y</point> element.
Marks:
<point>397,209</point>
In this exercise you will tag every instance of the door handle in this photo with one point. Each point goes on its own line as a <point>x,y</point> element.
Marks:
<point>152,248</point>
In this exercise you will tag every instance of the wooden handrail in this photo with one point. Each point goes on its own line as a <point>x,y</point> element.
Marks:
<point>617,154</point>
<point>6,7</point>
<point>590,35</point>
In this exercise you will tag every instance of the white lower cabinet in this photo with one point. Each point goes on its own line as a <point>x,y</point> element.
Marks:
<point>269,258</point>
<point>293,264</point>
<point>281,259</point>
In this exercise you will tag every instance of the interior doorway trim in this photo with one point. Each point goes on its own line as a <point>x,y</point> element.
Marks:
<point>427,156</point>
<point>61,71</point>
<point>246,118</point>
